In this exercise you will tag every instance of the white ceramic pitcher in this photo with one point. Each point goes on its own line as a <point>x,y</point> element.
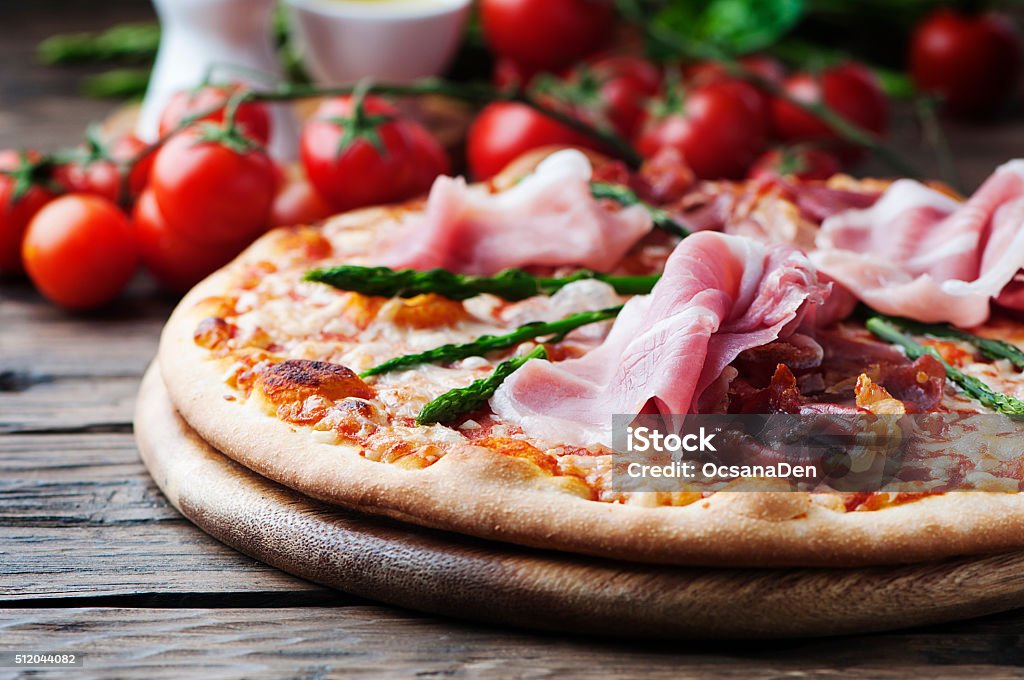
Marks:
<point>196,34</point>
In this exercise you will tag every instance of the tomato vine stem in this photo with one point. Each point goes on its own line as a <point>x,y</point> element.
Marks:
<point>482,93</point>
<point>850,132</point>
<point>473,93</point>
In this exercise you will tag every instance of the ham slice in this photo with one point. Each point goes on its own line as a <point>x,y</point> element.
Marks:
<point>771,209</point>
<point>921,254</point>
<point>719,295</point>
<point>549,218</point>
<point>818,201</point>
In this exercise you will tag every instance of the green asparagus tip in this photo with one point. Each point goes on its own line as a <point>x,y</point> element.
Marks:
<point>453,404</point>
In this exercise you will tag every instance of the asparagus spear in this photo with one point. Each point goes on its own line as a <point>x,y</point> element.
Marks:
<point>454,403</point>
<point>888,331</point>
<point>511,284</point>
<point>118,83</point>
<point>490,343</point>
<point>990,348</point>
<point>135,42</point>
<point>625,196</point>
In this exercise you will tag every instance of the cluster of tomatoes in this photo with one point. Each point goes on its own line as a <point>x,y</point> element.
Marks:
<point>717,124</point>
<point>80,224</point>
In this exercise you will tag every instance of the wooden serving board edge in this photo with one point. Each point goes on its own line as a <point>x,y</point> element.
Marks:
<point>454,575</point>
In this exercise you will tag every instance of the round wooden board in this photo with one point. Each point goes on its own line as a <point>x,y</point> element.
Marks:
<point>444,573</point>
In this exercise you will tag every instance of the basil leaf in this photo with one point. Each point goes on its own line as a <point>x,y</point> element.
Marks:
<point>731,26</point>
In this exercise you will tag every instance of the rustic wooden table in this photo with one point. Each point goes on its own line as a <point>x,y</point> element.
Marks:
<point>93,559</point>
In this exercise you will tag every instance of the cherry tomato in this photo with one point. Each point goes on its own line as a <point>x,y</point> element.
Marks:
<point>503,131</point>
<point>211,193</point>
<point>974,62</point>
<point>546,34</point>
<point>127,147</point>
<point>175,262</point>
<point>431,158</point>
<point>80,251</point>
<point>339,148</point>
<point>800,162</point>
<point>623,85</point>
<point>762,65</point>
<point>252,118</point>
<point>767,67</point>
<point>719,130</point>
<point>849,89</point>
<point>15,214</point>
<point>510,75</point>
<point>297,202</point>
<point>100,175</point>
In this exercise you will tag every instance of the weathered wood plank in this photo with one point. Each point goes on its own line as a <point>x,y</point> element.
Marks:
<point>367,641</point>
<point>70,404</point>
<point>79,516</point>
<point>162,557</point>
<point>42,106</point>
<point>64,372</point>
<point>39,342</point>
<point>76,480</point>
<point>977,148</point>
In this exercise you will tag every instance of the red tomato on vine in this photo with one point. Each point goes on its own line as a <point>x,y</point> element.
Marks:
<point>213,185</point>
<point>718,129</point>
<point>252,118</point>
<point>361,151</point>
<point>546,35</point>
<point>80,251</point>
<point>851,90</point>
<point>21,197</point>
<point>974,62</point>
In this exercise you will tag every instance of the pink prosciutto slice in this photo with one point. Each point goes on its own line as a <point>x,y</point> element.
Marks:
<point>921,254</point>
<point>724,206</point>
<point>719,296</point>
<point>549,218</point>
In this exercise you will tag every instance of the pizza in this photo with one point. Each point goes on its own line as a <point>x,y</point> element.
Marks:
<point>535,308</point>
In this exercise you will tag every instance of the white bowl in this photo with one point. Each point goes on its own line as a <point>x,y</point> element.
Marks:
<point>343,41</point>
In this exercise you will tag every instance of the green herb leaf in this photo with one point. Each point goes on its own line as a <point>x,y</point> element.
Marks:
<point>452,404</point>
<point>731,26</point>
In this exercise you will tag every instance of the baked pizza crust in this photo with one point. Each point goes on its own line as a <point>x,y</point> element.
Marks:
<point>481,492</point>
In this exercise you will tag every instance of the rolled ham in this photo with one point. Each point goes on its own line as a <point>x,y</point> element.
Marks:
<point>922,254</point>
<point>549,218</point>
<point>719,295</point>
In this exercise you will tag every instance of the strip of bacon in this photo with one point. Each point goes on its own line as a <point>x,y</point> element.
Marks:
<point>719,295</point>
<point>549,218</point>
<point>919,253</point>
